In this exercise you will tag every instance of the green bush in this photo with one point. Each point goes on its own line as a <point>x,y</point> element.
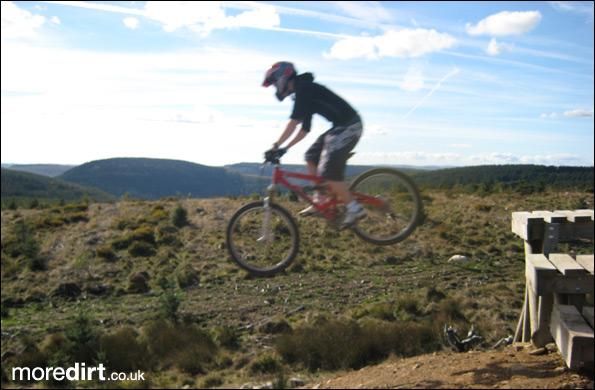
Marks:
<point>180,217</point>
<point>82,339</point>
<point>169,305</point>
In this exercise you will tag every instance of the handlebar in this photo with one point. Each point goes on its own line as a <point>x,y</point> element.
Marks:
<point>273,155</point>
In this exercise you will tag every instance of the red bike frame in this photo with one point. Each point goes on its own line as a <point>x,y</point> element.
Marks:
<point>327,209</point>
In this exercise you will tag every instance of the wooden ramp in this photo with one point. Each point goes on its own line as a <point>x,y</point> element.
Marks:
<point>559,286</point>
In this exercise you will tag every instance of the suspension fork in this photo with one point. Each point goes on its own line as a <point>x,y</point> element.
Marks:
<point>266,234</point>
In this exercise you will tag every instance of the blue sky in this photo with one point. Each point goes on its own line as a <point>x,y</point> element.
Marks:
<point>437,83</point>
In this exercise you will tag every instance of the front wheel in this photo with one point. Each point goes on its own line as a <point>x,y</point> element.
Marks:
<point>262,238</point>
<point>392,203</point>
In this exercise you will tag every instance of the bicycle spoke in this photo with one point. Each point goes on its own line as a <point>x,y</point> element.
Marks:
<point>262,239</point>
<point>392,204</point>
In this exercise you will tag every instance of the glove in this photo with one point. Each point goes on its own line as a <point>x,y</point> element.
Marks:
<point>273,155</point>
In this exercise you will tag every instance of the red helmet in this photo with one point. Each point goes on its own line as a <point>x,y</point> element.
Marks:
<point>279,75</point>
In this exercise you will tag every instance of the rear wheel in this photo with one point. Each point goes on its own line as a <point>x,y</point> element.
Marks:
<point>395,211</point>
<point>262,239</point>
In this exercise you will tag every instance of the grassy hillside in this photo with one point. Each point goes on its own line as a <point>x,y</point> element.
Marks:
<point>22,188</point>
<point>129,285</point>
<point>155,178</point>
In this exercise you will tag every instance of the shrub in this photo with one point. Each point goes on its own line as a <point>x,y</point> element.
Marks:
<point>169,305</point>
<point>105,252</point>
<point>266,364</point>
<point>228,337</point>
<point>82,339</point>
<point>122,350</point>
<point>180,217</point>
<point>340,344</point>
<point>187,276</point>
<point>158,214</point>
<point>167,235</point>
<point>184,346</point>
<point>142,234</point>
<point>21,241</point>
<point>141,249</point>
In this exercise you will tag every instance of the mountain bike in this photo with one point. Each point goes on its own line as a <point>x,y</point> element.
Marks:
<point>263,237</point>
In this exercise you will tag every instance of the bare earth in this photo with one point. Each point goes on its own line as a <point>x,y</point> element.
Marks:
<point>508,368</point>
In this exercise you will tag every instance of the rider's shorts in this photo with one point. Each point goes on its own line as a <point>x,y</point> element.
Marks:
<point>332,149</point>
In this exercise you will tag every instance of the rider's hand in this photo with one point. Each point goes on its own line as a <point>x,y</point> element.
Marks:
<point>273,154</point>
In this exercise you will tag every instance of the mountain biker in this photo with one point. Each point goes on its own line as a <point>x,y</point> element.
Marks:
<point>328,156</point>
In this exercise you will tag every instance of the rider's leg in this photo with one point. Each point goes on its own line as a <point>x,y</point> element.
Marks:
<point>312,159</point>
<point>341,191</point>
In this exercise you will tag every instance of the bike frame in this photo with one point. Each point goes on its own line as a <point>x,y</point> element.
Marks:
<point>327,209</point>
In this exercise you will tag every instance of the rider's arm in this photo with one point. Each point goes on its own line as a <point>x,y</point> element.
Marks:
<point>289,129</point>
<point>298,137</point>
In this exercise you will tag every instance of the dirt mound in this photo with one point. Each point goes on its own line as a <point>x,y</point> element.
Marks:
<point>512,367</point>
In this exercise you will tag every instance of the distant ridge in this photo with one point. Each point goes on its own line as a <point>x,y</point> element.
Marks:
<point>155,178</point>
<point>17,185</point>
<point>147,178</point>
<point>509,175</point>
<point>51,170</point>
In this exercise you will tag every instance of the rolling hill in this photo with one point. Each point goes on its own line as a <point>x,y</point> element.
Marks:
<point>51,170</point>
<point>155,178</point>
<point>28,186</point>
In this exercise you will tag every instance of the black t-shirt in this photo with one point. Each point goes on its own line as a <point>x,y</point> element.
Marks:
<point>312,98</point>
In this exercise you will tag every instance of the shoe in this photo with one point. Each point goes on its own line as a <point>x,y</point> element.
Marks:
<point>308,211</point>
<point>352,216</point>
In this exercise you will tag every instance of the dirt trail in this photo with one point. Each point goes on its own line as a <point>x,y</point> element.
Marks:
<point>512,367</point>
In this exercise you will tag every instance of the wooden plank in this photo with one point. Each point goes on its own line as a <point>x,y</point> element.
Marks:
<point>573,336</point>
<point>542,336</point>
<point>521,221</point>
<point>586,211</point>
<point>540,273</point>
<point>577,215</point>
<point>586,261</point>
<point>550,217</point>
<point>588,314</point>
<point>566,265</point>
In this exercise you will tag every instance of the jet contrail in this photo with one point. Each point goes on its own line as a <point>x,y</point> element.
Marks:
<point>438,84</point>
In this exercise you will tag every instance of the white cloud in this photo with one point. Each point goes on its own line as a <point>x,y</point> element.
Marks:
<point>353,47</point>
<point>408,43</point>
<point>576,113</point>
<point>55,20</point>
<point>370,11</point>
<point>201,17</point>
<point>496,48</point>
<point>579,112</point>
<point>174,15</point>
<point>413,80</point>
<point>505,23</point>
<point>19,23</point>
<point>576,7</point>
<point>131,22</point>
<point>550,115</point>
